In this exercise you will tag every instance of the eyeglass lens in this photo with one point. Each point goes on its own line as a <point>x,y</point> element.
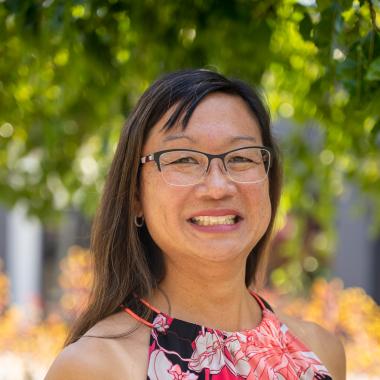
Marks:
<point>248,165</point>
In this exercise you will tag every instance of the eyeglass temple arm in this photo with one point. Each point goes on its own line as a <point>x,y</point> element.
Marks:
<point>146,159</point>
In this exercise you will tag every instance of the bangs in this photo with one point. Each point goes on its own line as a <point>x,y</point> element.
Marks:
<point>187,103</point>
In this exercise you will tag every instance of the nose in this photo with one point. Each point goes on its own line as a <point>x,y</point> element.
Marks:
<point>216,183</point>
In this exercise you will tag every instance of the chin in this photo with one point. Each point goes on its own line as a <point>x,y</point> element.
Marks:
<point>215,255</point>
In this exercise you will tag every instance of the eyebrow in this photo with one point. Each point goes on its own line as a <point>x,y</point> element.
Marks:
<point>178,137</point>
<point>232,140</point>
<point>244,138</point>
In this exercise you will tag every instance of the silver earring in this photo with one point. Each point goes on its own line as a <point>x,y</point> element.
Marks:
<point>139,221</point>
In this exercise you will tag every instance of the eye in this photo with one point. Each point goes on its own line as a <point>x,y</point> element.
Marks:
<point>179,158</point>
<point>239,159</point>
<point>244,160</point>
<point>184,160</point>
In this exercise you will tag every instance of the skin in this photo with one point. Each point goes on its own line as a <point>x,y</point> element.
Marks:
<point>198,262</point>
<point>217,259</point>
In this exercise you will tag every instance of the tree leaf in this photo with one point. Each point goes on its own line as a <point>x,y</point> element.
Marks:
<point>373,72</point>
<point>306,26</point>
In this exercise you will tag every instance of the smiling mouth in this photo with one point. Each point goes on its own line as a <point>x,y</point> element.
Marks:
<point>214,220</point>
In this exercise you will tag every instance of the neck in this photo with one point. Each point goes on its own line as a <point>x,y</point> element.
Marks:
<point>215,297</point>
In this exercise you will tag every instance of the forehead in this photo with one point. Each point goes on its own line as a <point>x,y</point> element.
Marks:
<point>219,119</point>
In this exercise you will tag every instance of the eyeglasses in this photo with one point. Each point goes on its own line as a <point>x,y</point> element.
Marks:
<point>185,167</point>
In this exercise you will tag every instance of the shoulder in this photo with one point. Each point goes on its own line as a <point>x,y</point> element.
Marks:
<point>97,356</point>
<point>323,343</point>
<point>80,360</point>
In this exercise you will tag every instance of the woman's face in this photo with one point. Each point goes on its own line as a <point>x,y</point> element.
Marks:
<point>220,123</point>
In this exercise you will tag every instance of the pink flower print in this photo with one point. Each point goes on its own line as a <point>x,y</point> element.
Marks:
<point>239,364</point>
<point>161,368</point>
<point>308,375</point>
<point>269,353</point>
<point>269,362</point>
<point>177,374</point>
<point>160,323</point>
<point>208,353</point>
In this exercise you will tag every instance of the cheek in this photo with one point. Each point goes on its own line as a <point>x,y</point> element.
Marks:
<point>262,209</point>
<point>151,197</point>
<point>159,203</point>
<point>160,209</point>
<point>266,212</point>
<point>154,214</point>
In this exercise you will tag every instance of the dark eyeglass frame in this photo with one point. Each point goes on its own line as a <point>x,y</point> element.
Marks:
<point>156,156</point>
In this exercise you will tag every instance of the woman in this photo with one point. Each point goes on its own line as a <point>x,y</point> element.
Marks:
<point>182,232</point>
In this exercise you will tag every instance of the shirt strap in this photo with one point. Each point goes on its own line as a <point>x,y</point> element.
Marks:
<point>261,301</point>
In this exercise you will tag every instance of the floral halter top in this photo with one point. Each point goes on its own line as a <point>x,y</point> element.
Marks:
<point>182,350</point>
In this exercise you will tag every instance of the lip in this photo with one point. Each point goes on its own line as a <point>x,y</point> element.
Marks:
<point>216,212</point>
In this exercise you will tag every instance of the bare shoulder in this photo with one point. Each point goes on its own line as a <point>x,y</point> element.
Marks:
<point>79,361</point>
<point>98,355</point>
<point>323,343</point>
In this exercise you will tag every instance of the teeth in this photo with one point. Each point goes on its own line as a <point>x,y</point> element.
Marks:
<point>214,220</point>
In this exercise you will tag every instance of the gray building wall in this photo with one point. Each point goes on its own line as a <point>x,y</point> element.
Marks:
<point>357,258</point>
<point>3,221</point>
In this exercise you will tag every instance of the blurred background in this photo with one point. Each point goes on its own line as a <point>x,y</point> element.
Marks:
<point>70,71</point>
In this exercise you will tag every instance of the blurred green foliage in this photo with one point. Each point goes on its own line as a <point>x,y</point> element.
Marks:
<point>71,70</point>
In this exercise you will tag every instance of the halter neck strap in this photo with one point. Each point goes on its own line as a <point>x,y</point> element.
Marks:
<point>262,303</point>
